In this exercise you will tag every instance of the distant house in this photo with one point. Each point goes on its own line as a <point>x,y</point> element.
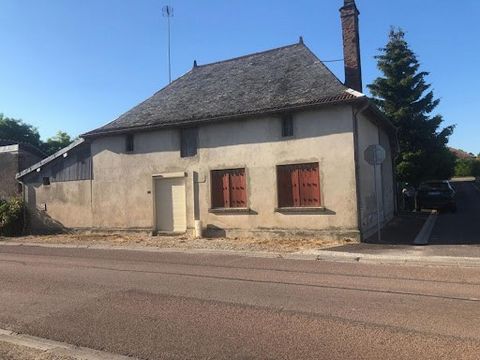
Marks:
<point>15,157</point>
<point>462,155</point>
<point>265,144</point>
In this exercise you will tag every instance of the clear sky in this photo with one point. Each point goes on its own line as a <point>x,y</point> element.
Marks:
<point>75,65</point>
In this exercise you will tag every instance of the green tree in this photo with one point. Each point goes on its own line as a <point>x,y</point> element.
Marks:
<point>405,97</point>
<point>17,130</point>
<point>467,167</point>
<point>57,142</point>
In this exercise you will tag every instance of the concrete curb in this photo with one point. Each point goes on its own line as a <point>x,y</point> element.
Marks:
<point>406,259</point>
<point>316,255</point>
<point>426,231</point>
<point>56,347</point>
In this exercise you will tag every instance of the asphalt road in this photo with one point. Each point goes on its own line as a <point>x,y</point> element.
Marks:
<point>184,306</point>
<point>462,227</point>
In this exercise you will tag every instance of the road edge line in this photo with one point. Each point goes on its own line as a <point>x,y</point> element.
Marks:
<point>56,347</point>
<point>426,231</point>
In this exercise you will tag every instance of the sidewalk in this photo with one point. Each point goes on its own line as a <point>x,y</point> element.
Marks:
<point>25,347</point>
<point>396,246</point>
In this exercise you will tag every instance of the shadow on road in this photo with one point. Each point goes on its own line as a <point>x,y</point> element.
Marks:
<point>463,227</point>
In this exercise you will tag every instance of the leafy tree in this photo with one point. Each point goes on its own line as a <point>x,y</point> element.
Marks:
<point>57,142</point>
<point>17,130</point>
<point>467,167</point>
<point>405,97</point>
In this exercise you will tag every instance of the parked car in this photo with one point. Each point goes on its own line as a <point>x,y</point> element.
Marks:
<point>438,195</point>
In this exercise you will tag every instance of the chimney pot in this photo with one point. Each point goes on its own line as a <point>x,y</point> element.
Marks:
<point>351,45</point>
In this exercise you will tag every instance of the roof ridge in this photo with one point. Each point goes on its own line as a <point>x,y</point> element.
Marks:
<point>251,54</point>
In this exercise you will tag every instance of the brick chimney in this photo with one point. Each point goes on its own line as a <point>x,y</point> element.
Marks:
<point>351,45</point>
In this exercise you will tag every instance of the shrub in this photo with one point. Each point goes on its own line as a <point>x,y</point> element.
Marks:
<point>467,167</point>
<point>11,217</point>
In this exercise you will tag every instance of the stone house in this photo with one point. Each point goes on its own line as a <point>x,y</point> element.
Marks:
<point>15,157</point>
<point>265,144</point>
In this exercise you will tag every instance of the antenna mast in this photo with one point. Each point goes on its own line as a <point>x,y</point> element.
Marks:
<point>167,12</point>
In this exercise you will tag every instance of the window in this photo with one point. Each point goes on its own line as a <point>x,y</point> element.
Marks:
<point>229,188</point>
<point>46,180</point>
<point>188,142</point>
<point>298,185</point>
<point>287,125</point>
<point>129,143</point>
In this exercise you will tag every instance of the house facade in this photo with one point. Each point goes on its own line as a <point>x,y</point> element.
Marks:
<point>268,144</point>
<point>15,157</point>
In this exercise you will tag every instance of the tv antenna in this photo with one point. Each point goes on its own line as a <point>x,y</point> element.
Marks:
<point>167,12</point>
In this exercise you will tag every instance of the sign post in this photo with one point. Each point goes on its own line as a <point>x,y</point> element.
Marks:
<point>375,156</point>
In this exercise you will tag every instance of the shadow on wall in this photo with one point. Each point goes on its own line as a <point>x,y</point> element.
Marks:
<point>39,222</point>
<point>212,232</point>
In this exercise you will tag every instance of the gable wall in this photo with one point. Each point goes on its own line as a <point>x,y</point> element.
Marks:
<point>370,134</point>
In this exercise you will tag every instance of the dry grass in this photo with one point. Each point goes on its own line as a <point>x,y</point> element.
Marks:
<point>281,244</point>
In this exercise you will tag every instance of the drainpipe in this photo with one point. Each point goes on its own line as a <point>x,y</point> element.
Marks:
<point>24,200</point>
<point>355,113</point>
<point>196,204</point>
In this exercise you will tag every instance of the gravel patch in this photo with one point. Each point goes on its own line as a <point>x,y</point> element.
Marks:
<point>282,245</point>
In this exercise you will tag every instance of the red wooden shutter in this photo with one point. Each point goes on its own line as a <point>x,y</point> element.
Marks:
<point>284,186</point>
<point>217,189</point>
<point>238,193</point>
<point>226,189</point>
<point>309,185</point>
<point>296,184</point>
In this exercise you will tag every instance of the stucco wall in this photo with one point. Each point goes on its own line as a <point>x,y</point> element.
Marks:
<point>8,170</point>
<point>13,159</point>
<point>122,189</point>
<point>370,134</point>
<point>120,196</point>
<point>59,205</point>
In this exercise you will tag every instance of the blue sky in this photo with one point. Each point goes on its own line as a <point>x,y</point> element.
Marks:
<point>75,65</point>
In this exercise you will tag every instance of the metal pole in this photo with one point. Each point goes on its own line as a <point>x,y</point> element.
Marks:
<point>169,60</point>
<point>377,197</point>
<point>167,11</point>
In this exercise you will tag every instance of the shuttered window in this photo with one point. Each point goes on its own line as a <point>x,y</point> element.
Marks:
<point>298,185</point>
<point>229,188</point>
<point>188,142</point>
<point>129,143</point>
<point>287,125</point>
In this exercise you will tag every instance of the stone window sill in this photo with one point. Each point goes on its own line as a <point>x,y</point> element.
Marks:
<point>230,211</point>
<point>301,210</point>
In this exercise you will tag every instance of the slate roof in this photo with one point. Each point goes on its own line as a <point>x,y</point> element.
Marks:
<point>284,78</point>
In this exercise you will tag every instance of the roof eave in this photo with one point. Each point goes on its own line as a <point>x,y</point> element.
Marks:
<point>49,159</point>
<point>206,120</point>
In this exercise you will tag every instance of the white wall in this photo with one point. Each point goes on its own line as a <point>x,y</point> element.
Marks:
<point>122,186</point>
<point>370,134</point>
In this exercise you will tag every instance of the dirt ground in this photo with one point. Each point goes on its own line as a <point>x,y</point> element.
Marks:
<point>286,245</point>
<point>15,352</point>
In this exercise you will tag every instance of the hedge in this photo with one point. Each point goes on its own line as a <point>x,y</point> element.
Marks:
<point>11,217</point>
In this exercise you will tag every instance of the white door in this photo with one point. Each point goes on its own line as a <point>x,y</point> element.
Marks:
<point>170,204</point>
